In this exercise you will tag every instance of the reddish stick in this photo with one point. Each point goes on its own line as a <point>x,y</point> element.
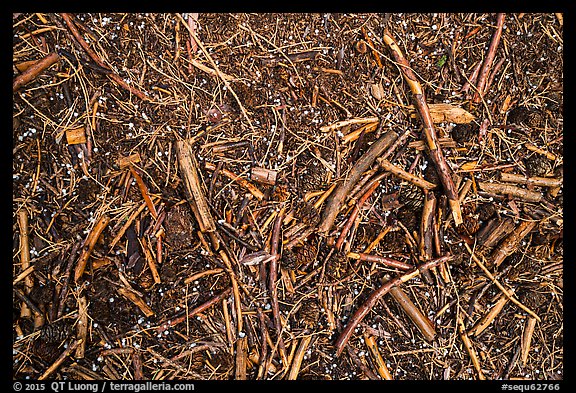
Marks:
<point>273,277</point>
<point>376,295</point>
<point>115,77</point>
<point>483,77</point>
<point>34,70</point>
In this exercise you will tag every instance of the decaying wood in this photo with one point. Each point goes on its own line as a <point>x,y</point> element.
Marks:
<point>194,191</point>
<point>512,191</point>
<point>337,198</point>
<point>534,181</point>
<point>401,173</point>
<point>421,321</point>
<point>25,256</point>
<point>132,159</point>
<point>241,358</point>
<point>443,142</point>
<point>263,175</point>
<point>76,136</point>
<point>365,308</point>
<point>434,149</point>
<point>510,244</point>
<point>426,226</point>
<point>490,316</point>
<point>547,154</point>
<point>34,70</point>
<point>494,231</point>
<point>89,244</point>
<point>82,327</point>
<point>448,113</point>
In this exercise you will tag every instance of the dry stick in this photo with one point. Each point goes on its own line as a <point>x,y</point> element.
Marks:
<point>489,317</point>
<point>66,279</point>
<point>196,198</point>
<point>115,77</point>
<point>434,149</point>
<point>497,283</point>
<point>376,295</point>
<point>354,215</point>
<point>379,259</point>
<point>238,179</point>
<point>241,358</point>
<point>137,365</point>
<point>144,191</point>
<point>72,347</point>
<point>483,76</point>
<point>194,311</point>
<point>150,260</point>
<point>534,181</point>
<point>444,142</point>
<point>89,244</point>
<point>263,339</point>
<point>534,148</point>
<point>470,348</point>
<point>34,70</point>
<point>380,363</point>
<point>25,256</point>
<point>337,197</point>
<point>82,327</point>
<point>426,226</point>
<point>510,244</point>
<point>471,80</point>
<point>512,191</point>
<point>127,225</point>
<point>137,300</point>
<point>401,173</point>
<point>348,122</point>
<point>298,357</point>
<point>272,278</point>
<point>527,339</point>
<point>421,321</point>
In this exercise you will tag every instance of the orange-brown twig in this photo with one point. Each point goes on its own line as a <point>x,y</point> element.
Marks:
<point>434,149</point>
<point>34,70</point>
<point>89,245</point>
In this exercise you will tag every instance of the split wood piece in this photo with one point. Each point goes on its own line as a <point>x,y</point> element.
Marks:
<point>534,181</point>
<point>365,308</point>
<point>354,215</point>
<point>144,191</point>
<point>527,339</point>
<point>58,362</point>
<point>427,226</point>
<point>402,174</point>
<point>273,277</point>
<point>379,259</point>
<point>487,65</point>
<point>89,244</point>
<point>446,113</point>
<point>512,191</point>
<point>377,357</point>
<point>194,192</point>
<point>298,357</point>
<point>497,283</point>
<point>197,310</point>
<point>25,256</point>
<point>125,162</point>
<point>434,149</point>
<point>115,77</point>
<point>420,320</point>
<point>547,154</point>
<point>82,327</point>
<point>494,231</point>
<point>444,142</point>
<point>348,122</point>
<point>76,136</point>
<point>352,136</point>
<point>470,348</point>
<point>34,70</point>
<point>263,175</point>
<point>510,244</point>
<point>237,179</point>
<point>490,316</point>
<point>241,358</point>
<point>338,196</point>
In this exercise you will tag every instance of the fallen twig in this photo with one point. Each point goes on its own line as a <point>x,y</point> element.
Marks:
<point>89,244</point>
<point>442,168</point>
<point>34,70</point>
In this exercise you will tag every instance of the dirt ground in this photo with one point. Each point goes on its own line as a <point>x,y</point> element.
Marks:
<point>172,175</point>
